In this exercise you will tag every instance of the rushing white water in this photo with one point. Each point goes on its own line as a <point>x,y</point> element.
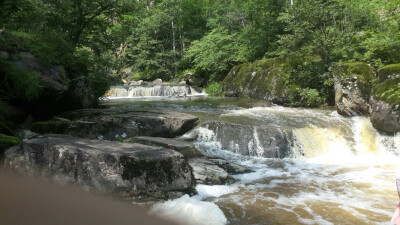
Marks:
<point>322,168</point>
<point>341,171</point>
<point>190,211</point>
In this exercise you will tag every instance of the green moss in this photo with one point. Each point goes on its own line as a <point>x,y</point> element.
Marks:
<point>362,71</point>
<point>51,126</point>
<point>50,48</point>
<point>388,91</point>
<point>25,84</point>
<point>264,76</point>
<point>387,71</point>
<point>7,142</point>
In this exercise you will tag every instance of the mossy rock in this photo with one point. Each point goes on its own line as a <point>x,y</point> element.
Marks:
<point>51,126</point>
<point>262,79</point>
<point>389,72</point>
<point>7,142</point>
<point>362,73</point>
<point>388,91</point>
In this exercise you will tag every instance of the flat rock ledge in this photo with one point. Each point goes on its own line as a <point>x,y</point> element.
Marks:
<point>116,125</point>
<point>186,148</point>
<point>207,172</point>
<point>128,169</point>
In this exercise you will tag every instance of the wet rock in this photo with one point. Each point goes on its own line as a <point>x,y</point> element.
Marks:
<point>185,148</point>
<point>206,172</point>
<point>102,165</point>
<point>26,134</point>
<point>157,81</point>
<point>139,82</point>
<point>385,116</point>
<point>353,84</point>
<point>230,167</point>
<point>118,124</point>
<point>260,141</point>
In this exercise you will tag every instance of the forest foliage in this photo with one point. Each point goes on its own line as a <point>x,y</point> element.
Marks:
<point>146,39</point>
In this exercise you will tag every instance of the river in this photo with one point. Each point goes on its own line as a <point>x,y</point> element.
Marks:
<point>311,166</point>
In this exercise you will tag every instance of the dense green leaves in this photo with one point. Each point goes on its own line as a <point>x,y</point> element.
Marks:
<point>165,38</point>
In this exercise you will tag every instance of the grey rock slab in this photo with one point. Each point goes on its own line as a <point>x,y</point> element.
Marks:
<point>385,117</point>
<point>102,165</point>
<point>186,148</point>
<point>114,124</point>
<point>206,172</point>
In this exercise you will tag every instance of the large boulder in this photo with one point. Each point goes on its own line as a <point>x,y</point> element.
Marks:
<point>103,165</point>
<point>261,141</point>
<point>80,94</point>
<point>385,105</point>
<point>118,124</point>
<point>263,79</point>
<point>353,84</point>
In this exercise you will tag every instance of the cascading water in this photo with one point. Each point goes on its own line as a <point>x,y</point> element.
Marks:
<point>340,171</point>
<point>310,166</point>
<point>139,91</point>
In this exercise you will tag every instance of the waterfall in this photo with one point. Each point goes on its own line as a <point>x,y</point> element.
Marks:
<point>305,138</point>
<point>162,90</point>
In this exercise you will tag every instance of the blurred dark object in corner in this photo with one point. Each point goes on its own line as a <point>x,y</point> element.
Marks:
<point>26,200</point>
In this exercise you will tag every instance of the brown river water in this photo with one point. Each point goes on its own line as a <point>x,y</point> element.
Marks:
<point>337,170</point>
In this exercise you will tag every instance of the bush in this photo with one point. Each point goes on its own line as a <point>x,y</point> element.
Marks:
<point>214,89</point>
<point>306,97</point>
<point>24,84</point>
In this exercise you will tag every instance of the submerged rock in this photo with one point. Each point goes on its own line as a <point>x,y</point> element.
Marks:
<point>103,165</point>
<point>206,172</point>
<point>118,124</point>
<point>186,148</point>
<point>353,84</point>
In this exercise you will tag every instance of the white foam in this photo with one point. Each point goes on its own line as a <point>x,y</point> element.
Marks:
<point>206,191</point>
<point>191,211</point>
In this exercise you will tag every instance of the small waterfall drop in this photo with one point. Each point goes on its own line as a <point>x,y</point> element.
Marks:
<point>162,90</point>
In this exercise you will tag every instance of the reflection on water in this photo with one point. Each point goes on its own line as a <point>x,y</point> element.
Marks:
<point>340,170</point>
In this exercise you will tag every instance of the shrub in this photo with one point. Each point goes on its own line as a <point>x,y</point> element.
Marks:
<point>214,89</point>
<point>24,84</point>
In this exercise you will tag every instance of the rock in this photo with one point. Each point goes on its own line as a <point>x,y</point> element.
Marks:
<point>385,105</point>
<point>157,81</point>
<point>7,142</point>
<point>185,148</point>
<point>80,94</point>
<point>206,172</point>
<point>119,124</point>
<point>26,134</point>
<point>230,167</point>
<point>353,84</point>
<point>261,141</point>
<point>389,72</point>
<point>102,165</point>
<point>263,79</point>
<point>139,82</point>
<point>4,55</point>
